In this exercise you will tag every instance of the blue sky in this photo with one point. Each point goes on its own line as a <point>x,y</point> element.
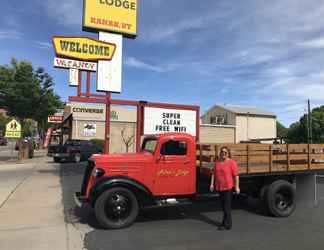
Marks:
<point>266,54</point>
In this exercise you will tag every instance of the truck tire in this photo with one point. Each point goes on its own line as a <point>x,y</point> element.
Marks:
<point>281,198</point>
<point>263,196</point>
<point>57,159</point>
<point>77,157</point>
<point>116,208</point>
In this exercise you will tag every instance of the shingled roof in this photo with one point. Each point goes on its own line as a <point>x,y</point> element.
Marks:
<point>242,110</point>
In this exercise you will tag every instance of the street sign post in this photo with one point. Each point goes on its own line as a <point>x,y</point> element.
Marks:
<point>119,18</point>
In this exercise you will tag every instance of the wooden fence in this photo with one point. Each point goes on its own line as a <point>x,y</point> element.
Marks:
<point>265,158</point>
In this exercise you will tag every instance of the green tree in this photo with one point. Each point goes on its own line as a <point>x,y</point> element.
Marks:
<point>48,101</point>
<point>298,131</point>
<point>3,122</point>
<point>27,93</point>
<point>317,117</point>
<point>296,134</point>
<point>282,131</point>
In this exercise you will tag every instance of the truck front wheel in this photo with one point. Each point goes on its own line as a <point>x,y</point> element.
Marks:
<point>281,198</point>
<point>77,157</point>
<point>116,208</point>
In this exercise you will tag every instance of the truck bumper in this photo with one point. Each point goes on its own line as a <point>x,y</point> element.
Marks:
<point>79,199</point>
<point>60,155</point>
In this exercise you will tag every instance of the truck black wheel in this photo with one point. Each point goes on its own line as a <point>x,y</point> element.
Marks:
<point>281,198</point>
<point>57,159</point>
<point>263,196</point>
<point>77,157</point>
<point>116,208</point>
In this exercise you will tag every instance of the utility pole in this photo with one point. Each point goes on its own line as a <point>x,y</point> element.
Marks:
<point>309,125</point>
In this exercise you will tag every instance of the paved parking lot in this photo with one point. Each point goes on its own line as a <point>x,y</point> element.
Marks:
<point>195,227</point>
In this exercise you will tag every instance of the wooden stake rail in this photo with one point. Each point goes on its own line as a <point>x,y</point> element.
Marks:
<point>265,158</point>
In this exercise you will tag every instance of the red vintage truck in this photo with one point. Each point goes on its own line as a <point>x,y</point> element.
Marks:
<point>172,169</point>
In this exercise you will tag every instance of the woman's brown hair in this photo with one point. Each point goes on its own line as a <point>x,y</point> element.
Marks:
<point>228,151</point>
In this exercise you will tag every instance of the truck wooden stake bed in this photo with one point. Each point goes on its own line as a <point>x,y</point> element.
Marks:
<point>171,168</point>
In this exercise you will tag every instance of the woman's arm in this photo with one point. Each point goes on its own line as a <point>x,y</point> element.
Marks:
<point>237,184</point>
<point>212,183</point>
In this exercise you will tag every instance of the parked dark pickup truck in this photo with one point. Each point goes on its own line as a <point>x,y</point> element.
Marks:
<point>73,150</point>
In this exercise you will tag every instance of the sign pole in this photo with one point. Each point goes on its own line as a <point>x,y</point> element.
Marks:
<point>88,84</point>
<point>12,148</point>
<point>107,127</point>
<point>80,83</point>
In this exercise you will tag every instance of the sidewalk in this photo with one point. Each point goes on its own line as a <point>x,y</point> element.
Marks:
<point>33,217</point>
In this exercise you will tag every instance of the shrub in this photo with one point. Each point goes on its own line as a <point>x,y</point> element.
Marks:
<point>99,144</point>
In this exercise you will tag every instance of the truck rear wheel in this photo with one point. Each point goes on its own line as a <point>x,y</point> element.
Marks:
<point>116,208</point>
<point>281,198</point>
<point>263,195</point>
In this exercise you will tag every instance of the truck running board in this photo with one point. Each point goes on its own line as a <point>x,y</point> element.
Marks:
<point>206,196</point>
<point>170,202</point>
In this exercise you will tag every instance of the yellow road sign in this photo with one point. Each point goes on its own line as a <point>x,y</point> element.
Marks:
<point>13,129</point>
<point>83,48</point>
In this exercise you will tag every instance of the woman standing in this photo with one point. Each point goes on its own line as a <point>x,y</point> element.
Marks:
<point>224,178</point>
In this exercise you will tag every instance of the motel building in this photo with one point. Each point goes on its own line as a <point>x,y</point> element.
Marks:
<point>218,125</point>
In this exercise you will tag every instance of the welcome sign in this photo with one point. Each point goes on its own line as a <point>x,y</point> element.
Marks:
<point>83,48</point>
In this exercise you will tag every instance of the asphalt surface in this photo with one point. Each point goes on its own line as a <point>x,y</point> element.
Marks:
<point>195,227</point>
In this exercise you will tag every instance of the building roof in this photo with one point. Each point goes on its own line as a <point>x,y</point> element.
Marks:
<point>242,110</point>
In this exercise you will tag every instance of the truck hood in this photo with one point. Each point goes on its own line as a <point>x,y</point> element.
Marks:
<point>141,157</point>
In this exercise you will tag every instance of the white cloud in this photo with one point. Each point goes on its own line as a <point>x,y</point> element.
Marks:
<point>314,43</point>
<point>9,34</point>
<point>163,32</point>
<point>135,63</point>
<point>43,45</point>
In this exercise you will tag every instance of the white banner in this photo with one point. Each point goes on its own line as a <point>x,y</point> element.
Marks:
<point>89,129</point>
<point>73,64</point>
<point>109,76</point>
<point>158,120</point>
<point>73,77</point>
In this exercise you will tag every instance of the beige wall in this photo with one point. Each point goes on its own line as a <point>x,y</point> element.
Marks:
<point>253,127</point>
<point>216,134</point>
<point>97,112</point>
<point>116,143</point>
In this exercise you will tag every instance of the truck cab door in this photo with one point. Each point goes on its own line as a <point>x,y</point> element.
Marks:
<point>175,169</point>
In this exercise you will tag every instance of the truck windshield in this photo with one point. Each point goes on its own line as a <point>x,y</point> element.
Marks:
<point>149,145</point>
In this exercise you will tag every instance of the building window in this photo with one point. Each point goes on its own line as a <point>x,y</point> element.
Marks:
<point>218,119</point>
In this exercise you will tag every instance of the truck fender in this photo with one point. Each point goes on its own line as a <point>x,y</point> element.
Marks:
<point>142,193</point>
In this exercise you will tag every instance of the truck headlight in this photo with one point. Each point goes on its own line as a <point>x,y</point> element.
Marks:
<point>98,172</point>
